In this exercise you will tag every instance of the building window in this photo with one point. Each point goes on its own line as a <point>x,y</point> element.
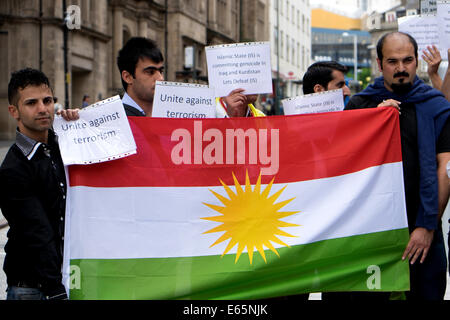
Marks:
<point>303,23</point>
<point>287,10</point>
<point>287,48</point>
<point>293,51</point>
<point>275,38</point>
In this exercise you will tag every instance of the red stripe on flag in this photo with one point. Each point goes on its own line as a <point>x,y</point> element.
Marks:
<point>311,146</point>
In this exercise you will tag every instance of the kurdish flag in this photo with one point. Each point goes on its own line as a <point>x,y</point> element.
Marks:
<point>242,208</point>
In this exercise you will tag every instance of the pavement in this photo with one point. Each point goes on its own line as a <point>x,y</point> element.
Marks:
<point>4,146</point>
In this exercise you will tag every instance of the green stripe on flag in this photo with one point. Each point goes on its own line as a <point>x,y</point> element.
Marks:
<point>342,264</point>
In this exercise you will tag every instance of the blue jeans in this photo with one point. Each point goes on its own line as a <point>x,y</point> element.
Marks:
<point>20,293</point>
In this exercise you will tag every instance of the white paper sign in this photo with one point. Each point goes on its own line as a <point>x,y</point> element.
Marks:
<point>424,29</point>
<point>239,65</point>
<point>183,100</point>
<point>101,134</point>
<point>443,17</point>
<point>326,101</point>
<point>427,6</point>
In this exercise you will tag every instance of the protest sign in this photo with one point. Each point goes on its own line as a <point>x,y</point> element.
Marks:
<point>424,29</point>
<point>326,101</point>
<point>443,17</point>
<point>101,134</point>
<point>239,65</point>
<point>427,6</point>
<point>183,100</point>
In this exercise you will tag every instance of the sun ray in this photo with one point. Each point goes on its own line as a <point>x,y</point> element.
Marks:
<point>250,253</point>
<point>281,204</point>
<point>215,208</point>
<point>275,196</point>
<point>215,218</point>
<point>286,214</point>
<point>257,189</point>
<point>248,186</point>
<point>266,191</point>
<point>261,252</point>
<point>222,238</point>
<point>283,224</point>
<point>271,247</point>
<point>282,233</point>
<point>230,192</point>
<point>250,218</point>
<point>230,245</point>
<point>221,198</point>
<point>239,251</point>
<point>239,190</point>
<point>219,228</point>
<point>276,240</point>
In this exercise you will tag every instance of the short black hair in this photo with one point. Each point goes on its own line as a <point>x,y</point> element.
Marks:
<point>381,41</point>
<point>23,78</point>
<point>135,49</point>
<point>320,73</point>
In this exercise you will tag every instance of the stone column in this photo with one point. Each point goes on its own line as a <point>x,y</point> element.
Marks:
<point>118,43</point>
<point>143,27</point>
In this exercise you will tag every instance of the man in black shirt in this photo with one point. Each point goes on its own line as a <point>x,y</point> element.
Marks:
<point>425,138</point>
<point>32,193</point>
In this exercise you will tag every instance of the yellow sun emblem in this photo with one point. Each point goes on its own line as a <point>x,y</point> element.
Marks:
<point>250,218</point>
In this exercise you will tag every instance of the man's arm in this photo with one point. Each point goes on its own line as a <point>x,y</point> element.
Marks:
<point>421,238</point>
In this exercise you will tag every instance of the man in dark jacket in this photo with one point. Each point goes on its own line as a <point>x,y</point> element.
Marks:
<point>32,193</point>
<point>425,137</point>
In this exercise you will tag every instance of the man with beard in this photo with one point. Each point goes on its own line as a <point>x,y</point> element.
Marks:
<point>425,142</point>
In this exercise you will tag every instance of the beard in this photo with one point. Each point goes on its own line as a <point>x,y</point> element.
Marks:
<point>401,88</point>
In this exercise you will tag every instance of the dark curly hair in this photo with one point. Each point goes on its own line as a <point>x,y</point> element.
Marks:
<point>23,78</point>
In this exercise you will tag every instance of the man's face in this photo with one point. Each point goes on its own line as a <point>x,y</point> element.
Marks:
<point>34,111</point>
<point>142,85</point>
<point>399,63</point>
<point>338,82</point>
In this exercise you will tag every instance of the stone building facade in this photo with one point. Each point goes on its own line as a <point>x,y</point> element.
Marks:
<point>75,42</point>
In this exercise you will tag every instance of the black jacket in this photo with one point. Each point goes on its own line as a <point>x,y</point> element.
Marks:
<point>32,199</point>
<point>131,111</point>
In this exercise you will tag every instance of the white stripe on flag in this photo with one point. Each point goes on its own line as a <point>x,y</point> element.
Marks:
<point>115,223</point>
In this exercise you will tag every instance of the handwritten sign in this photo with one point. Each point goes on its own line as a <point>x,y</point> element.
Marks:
<point>183,100</point>
<point>326,101</point>
<point>101,134</point>
<point>424,29</point>
<point>239,65</point>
